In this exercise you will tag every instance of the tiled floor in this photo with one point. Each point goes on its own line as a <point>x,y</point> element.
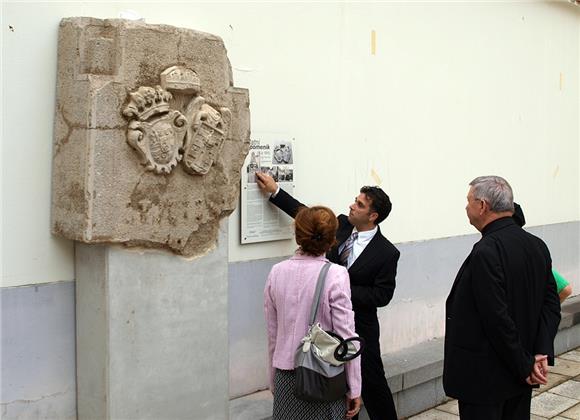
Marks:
<point>558,400</point>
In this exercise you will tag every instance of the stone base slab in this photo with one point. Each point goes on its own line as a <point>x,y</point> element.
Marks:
<point>152,338</point>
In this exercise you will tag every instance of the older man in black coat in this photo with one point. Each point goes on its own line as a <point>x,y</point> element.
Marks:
<point>502,313</point>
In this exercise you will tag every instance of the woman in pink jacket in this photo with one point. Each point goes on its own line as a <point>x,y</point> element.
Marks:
<point>287,301</point>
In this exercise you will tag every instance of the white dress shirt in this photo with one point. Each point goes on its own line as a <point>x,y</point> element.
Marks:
<point>359,244</point>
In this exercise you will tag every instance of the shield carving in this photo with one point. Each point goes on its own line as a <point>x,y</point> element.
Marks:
<point>159,140</point>
<point>205,138</point>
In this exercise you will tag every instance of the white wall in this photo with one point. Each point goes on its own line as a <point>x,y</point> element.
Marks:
<point>455,90</point>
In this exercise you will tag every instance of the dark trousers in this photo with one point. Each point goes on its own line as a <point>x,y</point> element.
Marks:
<point>515,408</point>
<point>376,394</point>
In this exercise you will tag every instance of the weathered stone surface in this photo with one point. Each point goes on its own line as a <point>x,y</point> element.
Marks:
<point>573,413</point>
<point>553,380</point>
<point>450,407</point>
<point>565,367</point>
<point>573,355</point>
<point>150,135</point>
<point>434,414</point>
<point>549,405</point>
<point>570,389</point>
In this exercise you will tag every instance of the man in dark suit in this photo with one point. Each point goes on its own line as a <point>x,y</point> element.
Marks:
<point>372,265</point>
<point>502,313</point>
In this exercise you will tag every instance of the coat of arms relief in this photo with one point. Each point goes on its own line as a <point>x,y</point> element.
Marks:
<point>163,137</point>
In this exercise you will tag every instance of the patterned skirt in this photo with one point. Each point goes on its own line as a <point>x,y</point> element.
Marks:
<point>288,407</point>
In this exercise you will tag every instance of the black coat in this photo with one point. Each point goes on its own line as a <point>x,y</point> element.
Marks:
<point>503,309</point>
<point>372,275</point>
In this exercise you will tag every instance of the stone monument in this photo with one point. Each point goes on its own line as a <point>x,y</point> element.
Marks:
<point>150,136</point>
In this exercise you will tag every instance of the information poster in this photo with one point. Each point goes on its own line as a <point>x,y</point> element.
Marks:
<point>261,220</point>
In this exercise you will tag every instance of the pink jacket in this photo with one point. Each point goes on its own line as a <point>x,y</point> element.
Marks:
<point>287,301</point>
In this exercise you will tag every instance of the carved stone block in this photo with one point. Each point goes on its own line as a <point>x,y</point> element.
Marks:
<point>149,135</point>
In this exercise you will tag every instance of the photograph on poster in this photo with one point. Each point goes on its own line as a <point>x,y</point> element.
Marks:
<point>253,166</point>
<point>279,173</point>
<point>260,220</point>
<point>282,154</point>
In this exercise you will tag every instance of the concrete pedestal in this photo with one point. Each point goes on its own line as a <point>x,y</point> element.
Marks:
<point>152,338</point>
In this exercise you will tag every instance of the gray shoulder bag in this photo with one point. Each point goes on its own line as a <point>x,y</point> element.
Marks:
<point>319,360</point>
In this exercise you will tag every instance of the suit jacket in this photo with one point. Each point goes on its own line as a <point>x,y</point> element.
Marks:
<point>372,275</point>
<point>502,310</point>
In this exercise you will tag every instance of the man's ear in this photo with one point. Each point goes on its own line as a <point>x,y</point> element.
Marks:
<point>373,216</point>
<point>484,206</point>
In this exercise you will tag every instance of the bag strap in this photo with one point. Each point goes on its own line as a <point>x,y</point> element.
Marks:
<point>318,292</point>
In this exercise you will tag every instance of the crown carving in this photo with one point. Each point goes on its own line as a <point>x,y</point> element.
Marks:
<point>146,102</point>
<point>181,79</point>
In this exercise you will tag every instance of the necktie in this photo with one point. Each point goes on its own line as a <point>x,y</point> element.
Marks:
<point>347,250</point>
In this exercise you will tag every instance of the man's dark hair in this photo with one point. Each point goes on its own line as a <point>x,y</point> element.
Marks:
<point>380,202</point>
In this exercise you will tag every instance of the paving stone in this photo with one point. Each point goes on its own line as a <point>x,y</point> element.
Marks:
<point>570,389</point>
<point>450,407</point>
<point>257,406</point>
<point>573,355</point>
<point>572,413</point>
<point>560,418</point>
<point>534,417</point>
<point>566,367</point>
<point>550,405</point>
<point>434,414</point>
<point>553,380</point>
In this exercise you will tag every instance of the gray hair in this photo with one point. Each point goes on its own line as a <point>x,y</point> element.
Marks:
<point>495,191</point>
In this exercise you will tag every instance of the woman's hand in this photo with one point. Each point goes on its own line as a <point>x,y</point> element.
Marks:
<point>352,407</point>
